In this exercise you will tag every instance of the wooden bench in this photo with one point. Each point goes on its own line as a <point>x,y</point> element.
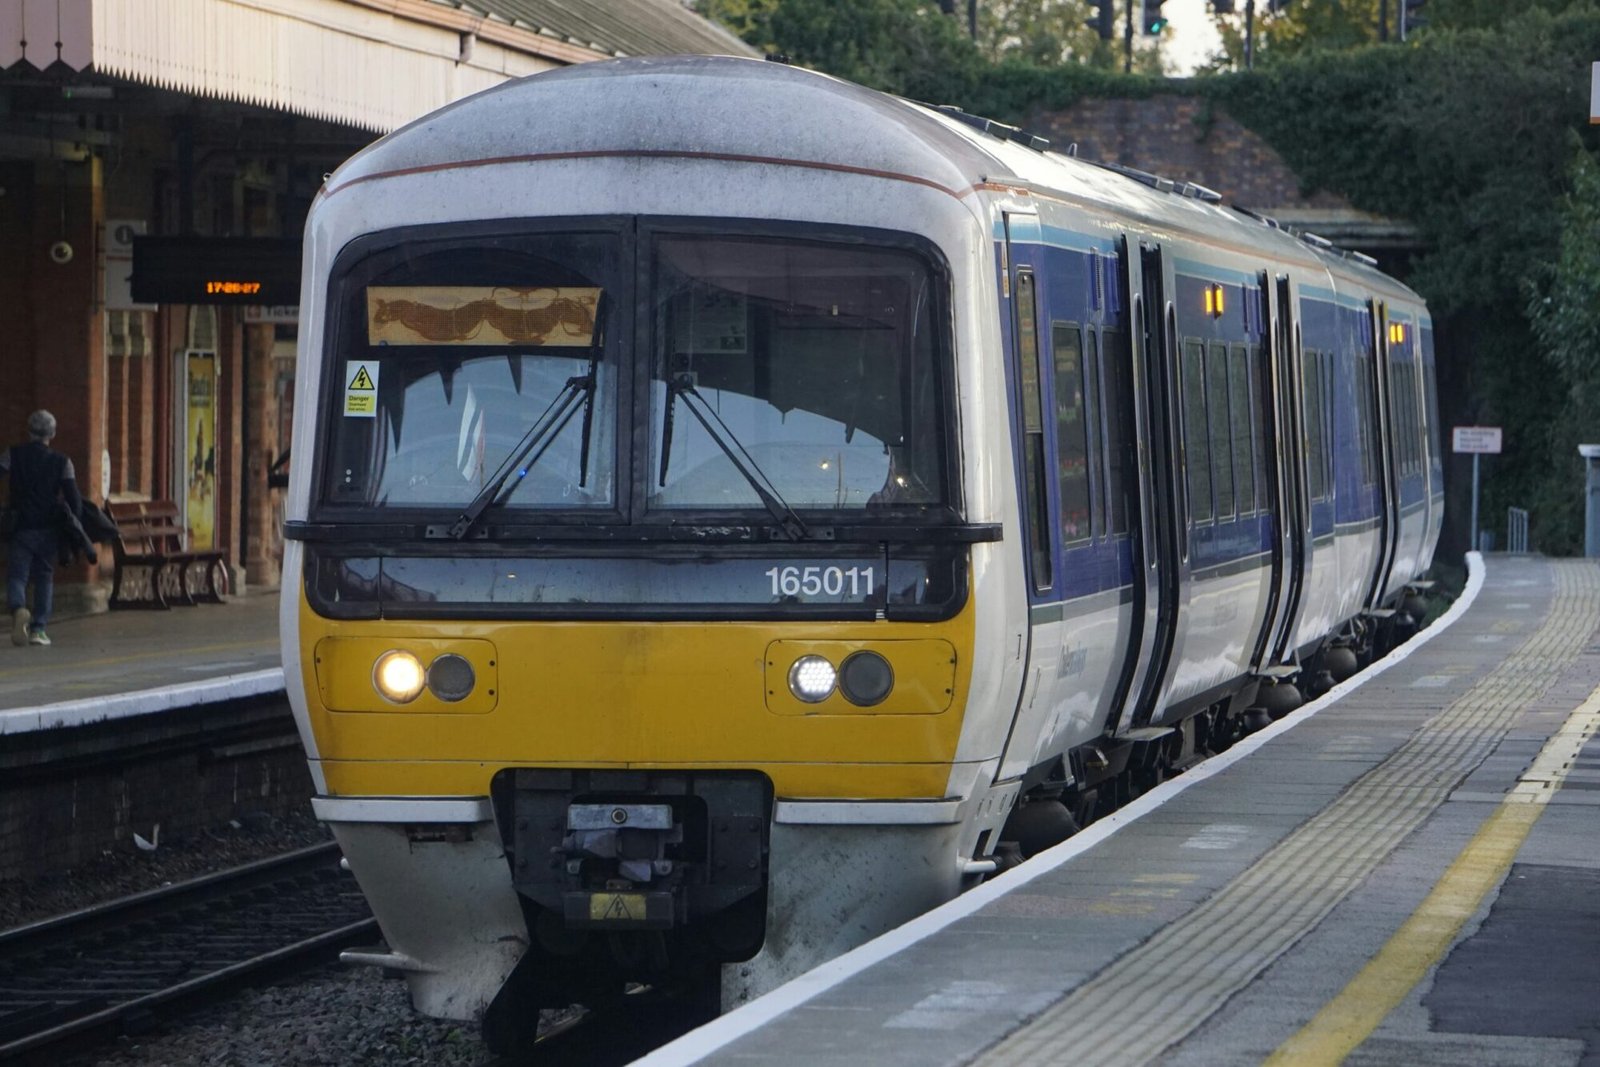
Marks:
<point>155,568</point>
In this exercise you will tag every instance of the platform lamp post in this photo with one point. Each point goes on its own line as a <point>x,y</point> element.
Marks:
<point>1591,499</point>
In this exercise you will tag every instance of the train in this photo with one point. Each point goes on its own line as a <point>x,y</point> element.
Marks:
<point>733,511</point>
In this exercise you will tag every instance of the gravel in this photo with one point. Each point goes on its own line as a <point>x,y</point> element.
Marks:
<point>335,1017</point>
<point>332,1016</point>
<point>252,836</point>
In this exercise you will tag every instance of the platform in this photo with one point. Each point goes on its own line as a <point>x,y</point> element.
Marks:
<point>1407,871</point>
<point>137,662</point>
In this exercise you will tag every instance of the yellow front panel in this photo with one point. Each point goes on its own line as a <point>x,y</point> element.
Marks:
<point>637,694</point>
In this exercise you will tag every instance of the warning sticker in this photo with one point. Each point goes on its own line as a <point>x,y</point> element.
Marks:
<point>617,907</point>
<point>361,388</point>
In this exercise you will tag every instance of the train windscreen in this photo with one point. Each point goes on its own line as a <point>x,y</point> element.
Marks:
<point>806,369</point>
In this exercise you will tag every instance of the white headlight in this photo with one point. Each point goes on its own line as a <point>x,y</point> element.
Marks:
<point>398,676</point>
<point>812,679</point>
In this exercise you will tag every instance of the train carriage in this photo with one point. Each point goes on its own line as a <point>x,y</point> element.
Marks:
<point>734,508</point>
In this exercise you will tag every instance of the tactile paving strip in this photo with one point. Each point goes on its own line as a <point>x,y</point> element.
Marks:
<point>1188,970</point>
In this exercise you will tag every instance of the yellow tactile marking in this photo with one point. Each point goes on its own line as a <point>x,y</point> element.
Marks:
<point>1187,970</point>
<point>1350,1018</point>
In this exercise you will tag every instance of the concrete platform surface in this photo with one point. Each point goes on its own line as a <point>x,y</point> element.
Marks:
<point>134,662</point>
<point>1405,872</point>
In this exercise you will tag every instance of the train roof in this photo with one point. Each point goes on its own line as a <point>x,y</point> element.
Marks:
<point>732,108</point>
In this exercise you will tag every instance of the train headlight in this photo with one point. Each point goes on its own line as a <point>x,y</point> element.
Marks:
<point>812,679</point>
<point>398,676</point>
<point>865,678</point>
<point>451,678</point>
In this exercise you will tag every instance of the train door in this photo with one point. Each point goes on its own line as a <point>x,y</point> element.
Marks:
<point>1127,417</point>
<point>1161,526</point>
<point>1291,510</point>
<point>1388,477</point>
<point>1020,269</point>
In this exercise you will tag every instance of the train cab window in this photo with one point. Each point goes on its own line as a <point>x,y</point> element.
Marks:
<point>447,355</point>
<point>1072,431</point>
<point>1116,368</point>
<point>1239,429</point>
<point>808,367</point>
<point>1221,423</point>
<point>1196,440</point>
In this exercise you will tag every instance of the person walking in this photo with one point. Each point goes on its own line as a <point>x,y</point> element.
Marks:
<point>42,480</point>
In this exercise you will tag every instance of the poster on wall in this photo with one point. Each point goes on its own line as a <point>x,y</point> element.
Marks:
<point>200,466</point>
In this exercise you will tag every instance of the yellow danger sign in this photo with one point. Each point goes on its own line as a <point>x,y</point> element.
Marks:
<point>617,907</point>
<point>361,394</point>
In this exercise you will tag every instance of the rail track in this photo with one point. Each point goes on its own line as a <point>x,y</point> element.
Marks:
<point>99,970</point>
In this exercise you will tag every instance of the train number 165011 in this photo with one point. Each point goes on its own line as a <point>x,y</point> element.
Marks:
<point>821,581</point>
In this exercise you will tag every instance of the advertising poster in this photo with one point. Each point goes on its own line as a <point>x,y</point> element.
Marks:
<point>200,466</point>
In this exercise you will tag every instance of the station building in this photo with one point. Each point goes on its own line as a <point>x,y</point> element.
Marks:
<point>157,161</point>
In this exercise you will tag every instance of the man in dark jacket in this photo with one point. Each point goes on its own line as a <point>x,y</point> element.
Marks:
<point>40,477</point>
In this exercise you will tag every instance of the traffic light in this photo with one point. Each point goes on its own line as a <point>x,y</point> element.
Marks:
<point>1105,19</point>
<point>1151,18</point>
<point>1411,17</point>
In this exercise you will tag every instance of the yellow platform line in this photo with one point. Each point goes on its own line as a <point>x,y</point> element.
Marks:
<point>1423,939</point>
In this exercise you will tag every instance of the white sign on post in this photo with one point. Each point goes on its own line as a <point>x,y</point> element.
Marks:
<point>1478,440</point>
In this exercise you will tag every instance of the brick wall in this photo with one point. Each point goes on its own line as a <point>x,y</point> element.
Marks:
<point>66,796</point>
<point>1184,138</point>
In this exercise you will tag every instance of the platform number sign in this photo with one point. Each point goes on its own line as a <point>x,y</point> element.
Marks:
<point>361,388</point>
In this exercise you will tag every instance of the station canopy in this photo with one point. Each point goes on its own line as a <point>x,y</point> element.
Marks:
<point>371,64</point>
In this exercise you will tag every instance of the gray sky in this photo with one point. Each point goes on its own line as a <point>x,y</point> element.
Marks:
<point>1194,37</point>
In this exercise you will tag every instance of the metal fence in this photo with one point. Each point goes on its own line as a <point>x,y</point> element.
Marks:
<point>1516,529</point>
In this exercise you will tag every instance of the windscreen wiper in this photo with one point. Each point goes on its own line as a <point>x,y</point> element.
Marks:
<point>579,390</point>
<point>683,384</point>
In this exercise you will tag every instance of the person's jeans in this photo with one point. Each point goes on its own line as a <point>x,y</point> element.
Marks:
<point>33,555</point>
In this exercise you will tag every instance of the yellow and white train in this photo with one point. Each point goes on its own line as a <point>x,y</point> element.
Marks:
<point>730,505</point>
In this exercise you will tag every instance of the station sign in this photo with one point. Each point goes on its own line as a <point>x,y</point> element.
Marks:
<point>216,270</point>
<point>1478,440</point>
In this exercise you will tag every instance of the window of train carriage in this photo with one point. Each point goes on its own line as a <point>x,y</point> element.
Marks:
<point>1116,368</point>
<point>1262,409</point>
<point>1221,423</point>
<point>1316,446</point>
<point>1097,484</point>
<point>445,355</point>
<point>1365,418</point>
<point>817,362</point>
<point>1072,431</point>
<point>1239,414</point>
<point>1196,440</point>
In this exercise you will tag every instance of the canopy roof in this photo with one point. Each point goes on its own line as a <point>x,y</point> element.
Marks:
<point>373,64</point>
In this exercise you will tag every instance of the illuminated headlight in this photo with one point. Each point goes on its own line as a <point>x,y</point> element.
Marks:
<point>865,678</point>
<point>450,677</point>
<point>812,679</point>
<point>398,676</point>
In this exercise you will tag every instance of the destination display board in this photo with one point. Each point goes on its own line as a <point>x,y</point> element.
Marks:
<point>215,270</point>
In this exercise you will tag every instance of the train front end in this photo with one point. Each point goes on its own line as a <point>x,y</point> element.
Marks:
<point>637,565</point>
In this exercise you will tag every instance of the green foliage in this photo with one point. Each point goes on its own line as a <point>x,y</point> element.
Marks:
<point>906,47</point>
<point>1564,307</point>
<point>1468,135</point>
